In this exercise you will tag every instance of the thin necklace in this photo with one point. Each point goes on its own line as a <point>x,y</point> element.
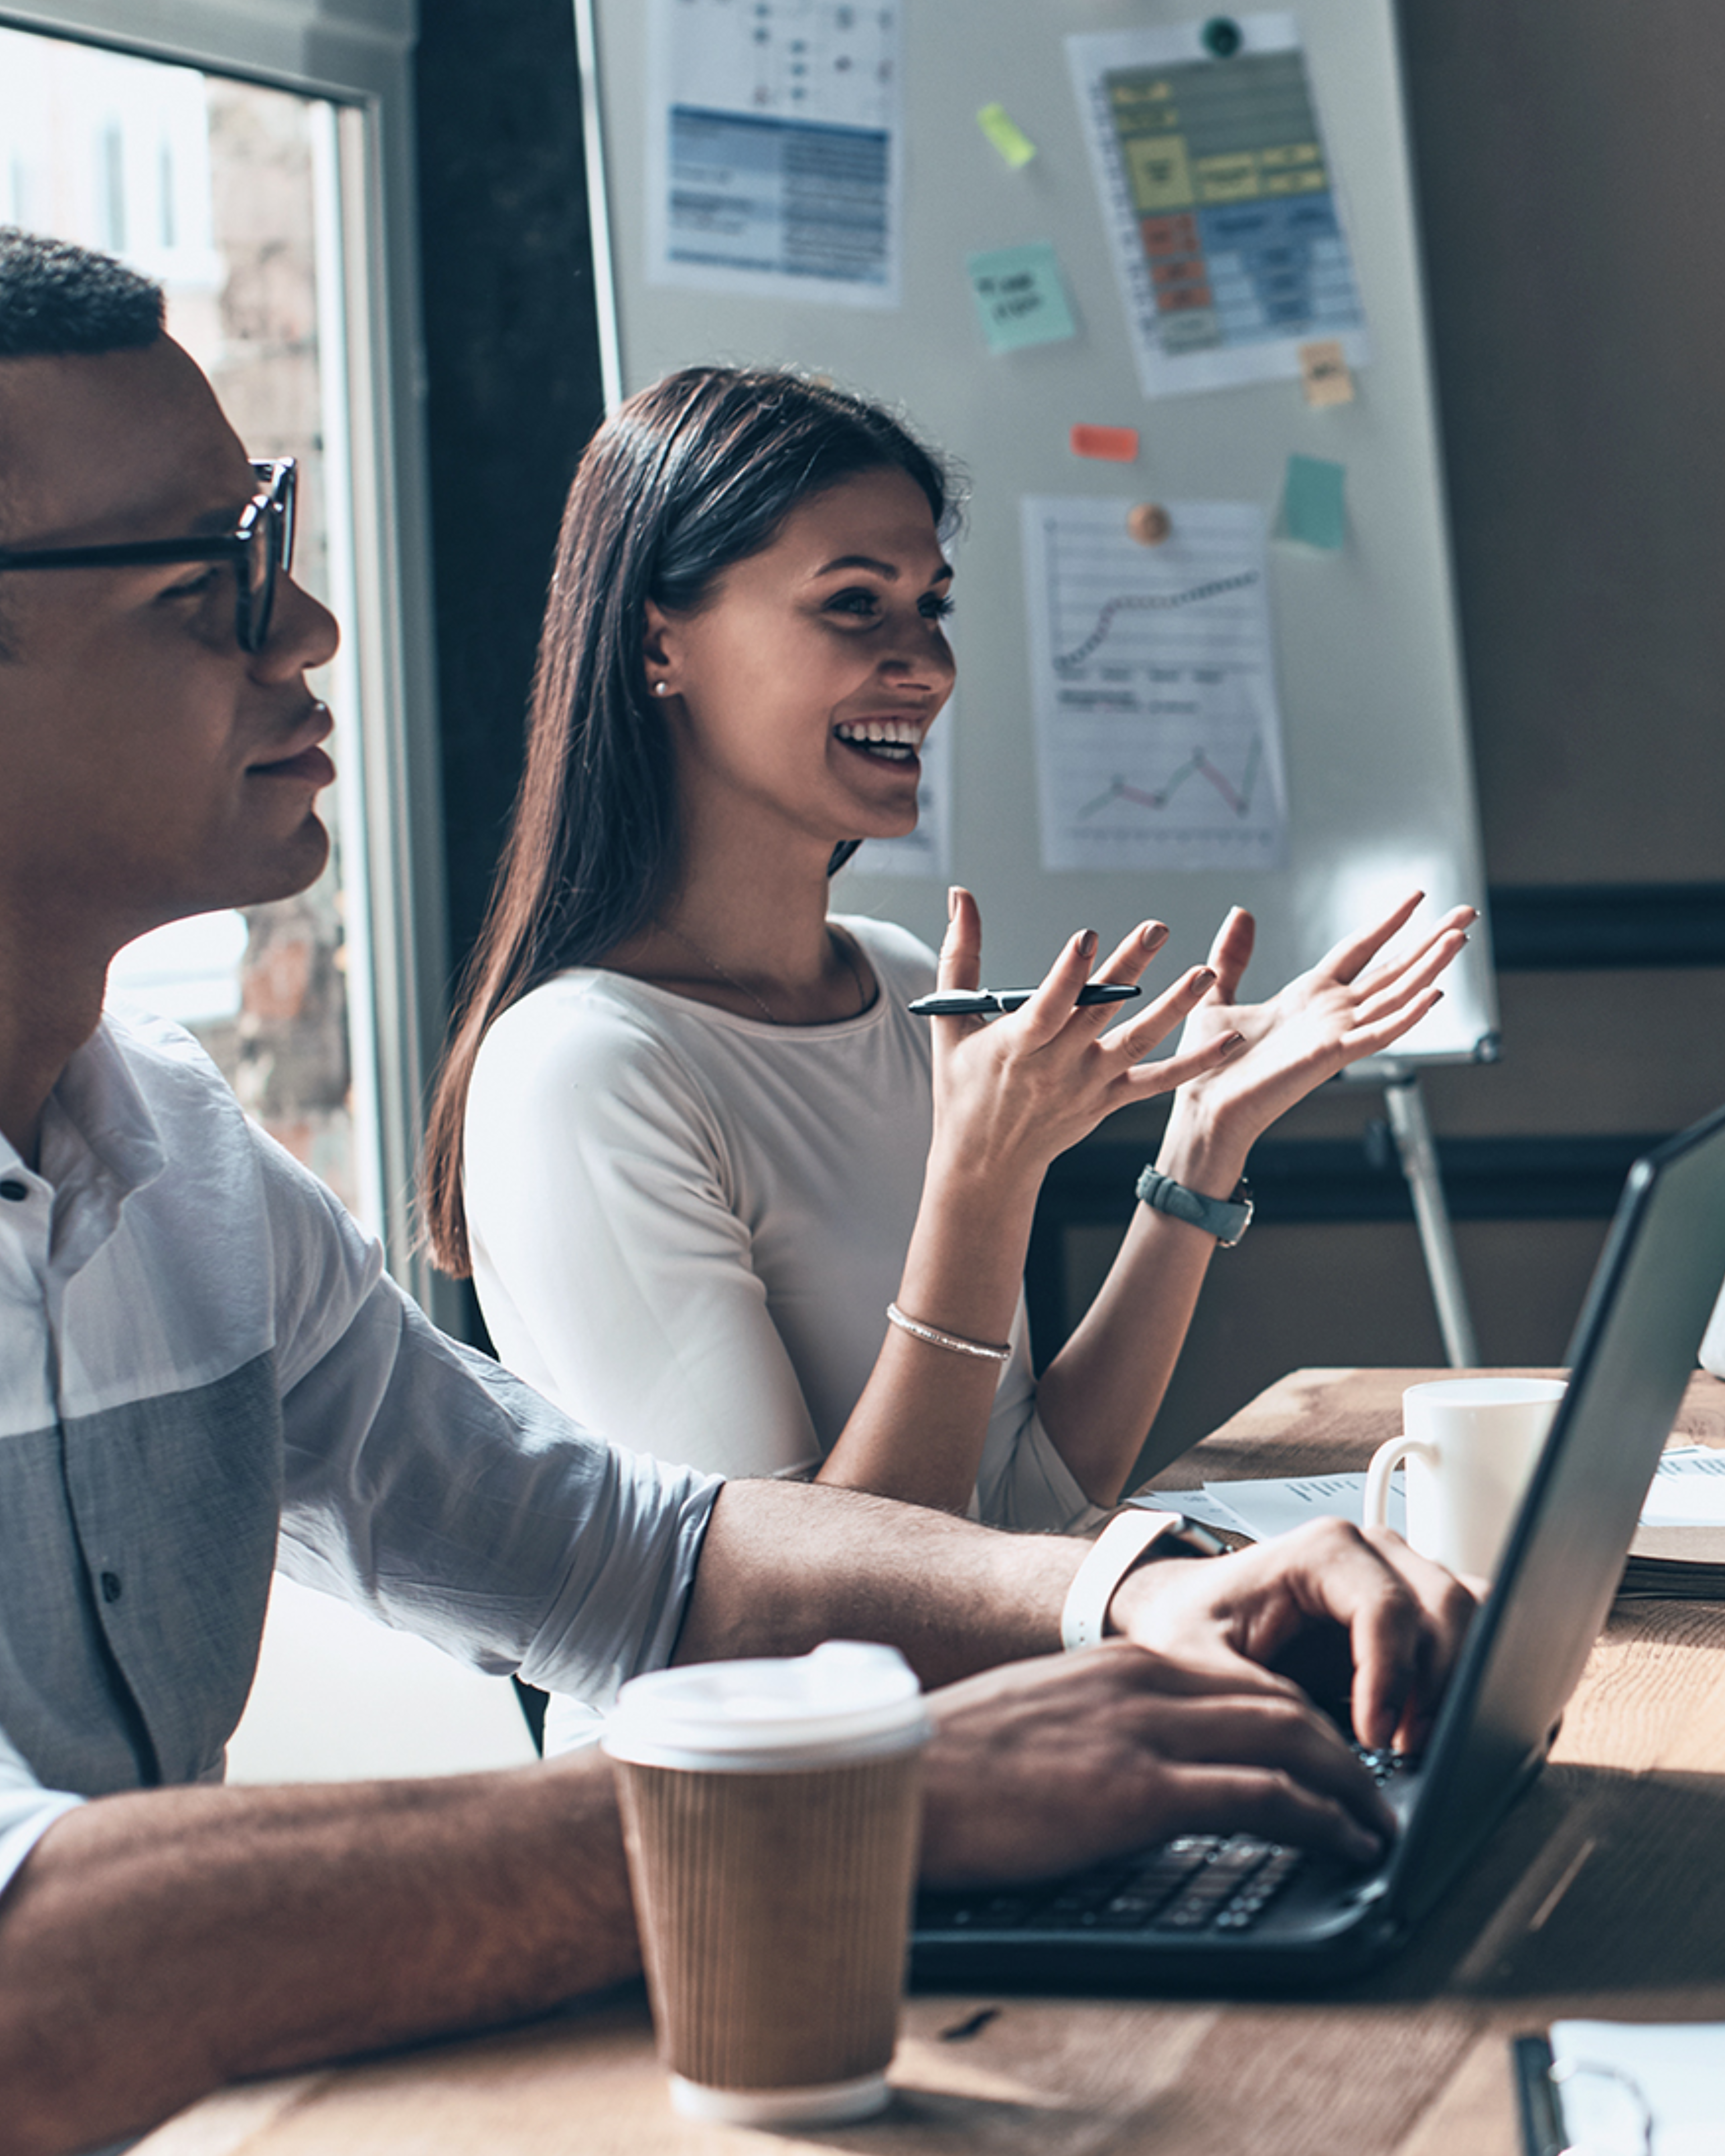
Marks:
<point>712,965</point>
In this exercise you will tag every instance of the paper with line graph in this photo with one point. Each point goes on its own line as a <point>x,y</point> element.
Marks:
<point>1158,739</point>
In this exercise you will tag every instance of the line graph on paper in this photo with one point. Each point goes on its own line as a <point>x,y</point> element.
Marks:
<point>1159,735</point>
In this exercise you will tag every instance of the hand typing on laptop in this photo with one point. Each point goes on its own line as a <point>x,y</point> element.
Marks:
<point>1401,1617</point>
<point>1182,1725</point>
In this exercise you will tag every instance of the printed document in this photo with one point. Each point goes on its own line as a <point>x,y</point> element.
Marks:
<point>775,149</point>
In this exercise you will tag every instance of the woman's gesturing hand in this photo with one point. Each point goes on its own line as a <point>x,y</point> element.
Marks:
<point>1352,1003</point>
<point>1016,1091</point>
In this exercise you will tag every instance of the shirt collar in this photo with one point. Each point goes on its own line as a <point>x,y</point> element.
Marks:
<point>98,1108</point>
<point>100,1143</point>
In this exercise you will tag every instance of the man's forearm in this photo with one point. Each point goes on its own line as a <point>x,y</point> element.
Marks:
<point>212,1933</point>
<point>157,1945</point>
<point>786,1565</point>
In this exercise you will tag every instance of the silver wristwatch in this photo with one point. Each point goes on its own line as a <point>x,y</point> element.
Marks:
<point>1226,1218</point>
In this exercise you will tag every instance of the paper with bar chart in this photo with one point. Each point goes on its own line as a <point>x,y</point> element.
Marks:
<point>1220,200</point>
<point>1159,738</point>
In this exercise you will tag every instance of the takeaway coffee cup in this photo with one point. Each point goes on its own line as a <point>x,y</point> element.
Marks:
<point>770,1810</point>
<point>1469,1444</point>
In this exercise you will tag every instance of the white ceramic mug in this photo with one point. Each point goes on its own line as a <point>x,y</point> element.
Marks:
<point>1470,1445</point>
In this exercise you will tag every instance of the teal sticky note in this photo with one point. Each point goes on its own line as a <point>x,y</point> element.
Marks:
<point>1020,298</point>
<point>1314,509</point>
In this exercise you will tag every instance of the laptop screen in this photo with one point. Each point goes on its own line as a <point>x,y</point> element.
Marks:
<point>1633,1352</point>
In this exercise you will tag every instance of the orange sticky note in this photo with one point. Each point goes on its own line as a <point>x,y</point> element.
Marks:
<point>1115,445</point>
<point>1323,371</point>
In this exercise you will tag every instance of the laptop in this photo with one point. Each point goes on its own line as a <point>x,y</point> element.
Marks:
<point>1229,1912</point>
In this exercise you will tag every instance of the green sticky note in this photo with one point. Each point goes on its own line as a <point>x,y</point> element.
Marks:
<point>1020,298</point>
<point>1003,132</point>
<point>1313,507</point>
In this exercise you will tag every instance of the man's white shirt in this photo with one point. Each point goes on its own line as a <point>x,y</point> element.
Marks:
<point>202,1354</point>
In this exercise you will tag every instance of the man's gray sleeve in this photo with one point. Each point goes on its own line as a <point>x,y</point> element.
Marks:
<point>427,1486</point>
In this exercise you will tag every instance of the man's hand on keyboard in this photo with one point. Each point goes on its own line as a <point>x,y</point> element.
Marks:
<point>1400,1618</point>
<point>1039,1768</point>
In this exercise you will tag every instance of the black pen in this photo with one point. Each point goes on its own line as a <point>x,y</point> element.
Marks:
<point>981,1002</point>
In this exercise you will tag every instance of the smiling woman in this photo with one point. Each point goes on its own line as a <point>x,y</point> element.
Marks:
<point>722,1196</point>
<point>804,682</point>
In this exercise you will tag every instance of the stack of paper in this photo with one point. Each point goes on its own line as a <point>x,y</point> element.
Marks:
<point>1256,1510</point>
<point>1679,1548</point>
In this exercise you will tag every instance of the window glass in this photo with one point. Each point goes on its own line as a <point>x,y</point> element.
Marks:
<point>224,191</point>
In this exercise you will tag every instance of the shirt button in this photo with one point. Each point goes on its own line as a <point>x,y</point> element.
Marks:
<point>111,1589</point>
<point>14,1189</point>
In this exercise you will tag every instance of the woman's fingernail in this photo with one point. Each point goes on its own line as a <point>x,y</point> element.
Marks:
<point>1152,932</point>
<point>1205,977</point>
<point>1232,1043</point>
<point>951,900</point>
<point>1087,943</point>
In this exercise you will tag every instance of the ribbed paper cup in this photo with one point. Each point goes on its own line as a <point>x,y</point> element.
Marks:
<point>770,1810</point>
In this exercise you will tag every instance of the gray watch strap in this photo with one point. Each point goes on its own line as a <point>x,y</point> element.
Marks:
<point>1226,1218</point>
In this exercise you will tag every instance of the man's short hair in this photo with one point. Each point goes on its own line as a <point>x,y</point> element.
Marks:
<point>56,298</point>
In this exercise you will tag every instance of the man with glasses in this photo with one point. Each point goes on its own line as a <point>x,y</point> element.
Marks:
<point>261,543</point>
<point>205,1372</point>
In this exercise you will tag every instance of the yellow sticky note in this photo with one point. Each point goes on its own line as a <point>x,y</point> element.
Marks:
<point>1009,138</point>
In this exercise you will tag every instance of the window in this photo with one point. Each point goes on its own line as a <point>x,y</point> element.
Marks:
<point>260,175</point>
<point>255,202</point>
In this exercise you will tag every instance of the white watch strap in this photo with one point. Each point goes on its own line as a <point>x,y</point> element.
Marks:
<point>1120,1545</point>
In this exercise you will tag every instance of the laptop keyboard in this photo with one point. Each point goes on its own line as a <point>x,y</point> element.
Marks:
<point>1195,1883</point>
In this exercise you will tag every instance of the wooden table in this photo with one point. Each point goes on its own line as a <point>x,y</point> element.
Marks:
<point>1602,1894</point>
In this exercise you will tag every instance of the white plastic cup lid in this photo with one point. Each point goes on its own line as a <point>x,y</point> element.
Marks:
<point>848,1699</point>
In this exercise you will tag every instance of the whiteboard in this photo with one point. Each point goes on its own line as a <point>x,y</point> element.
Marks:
<point>1379,784</point>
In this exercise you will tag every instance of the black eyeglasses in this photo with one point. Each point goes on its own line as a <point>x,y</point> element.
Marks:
<point>259,545</point>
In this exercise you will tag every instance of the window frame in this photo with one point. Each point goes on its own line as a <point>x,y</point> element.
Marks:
<point>357,55</point>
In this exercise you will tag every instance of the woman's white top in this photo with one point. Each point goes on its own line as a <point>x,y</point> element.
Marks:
<point>686,1225</point>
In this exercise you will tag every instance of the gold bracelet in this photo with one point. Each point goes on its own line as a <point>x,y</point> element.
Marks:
<point>954,1341</point>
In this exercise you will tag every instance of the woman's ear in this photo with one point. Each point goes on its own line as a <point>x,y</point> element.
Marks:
<point>658,651</point>
<point>656,643</point>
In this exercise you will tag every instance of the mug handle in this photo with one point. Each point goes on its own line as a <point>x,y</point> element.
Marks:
<point>1385,1462</point>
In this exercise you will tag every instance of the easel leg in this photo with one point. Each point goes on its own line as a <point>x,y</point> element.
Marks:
<point>1406,1107</point>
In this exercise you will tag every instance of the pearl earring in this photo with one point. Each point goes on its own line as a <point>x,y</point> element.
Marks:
<point>661,688</point>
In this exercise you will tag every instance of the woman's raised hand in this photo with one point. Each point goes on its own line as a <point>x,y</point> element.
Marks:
<point>1012,1092</point>
<point>1352,1003</point>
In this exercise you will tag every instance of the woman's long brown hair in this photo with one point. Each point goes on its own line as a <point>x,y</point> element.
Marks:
<point>688,477</point>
